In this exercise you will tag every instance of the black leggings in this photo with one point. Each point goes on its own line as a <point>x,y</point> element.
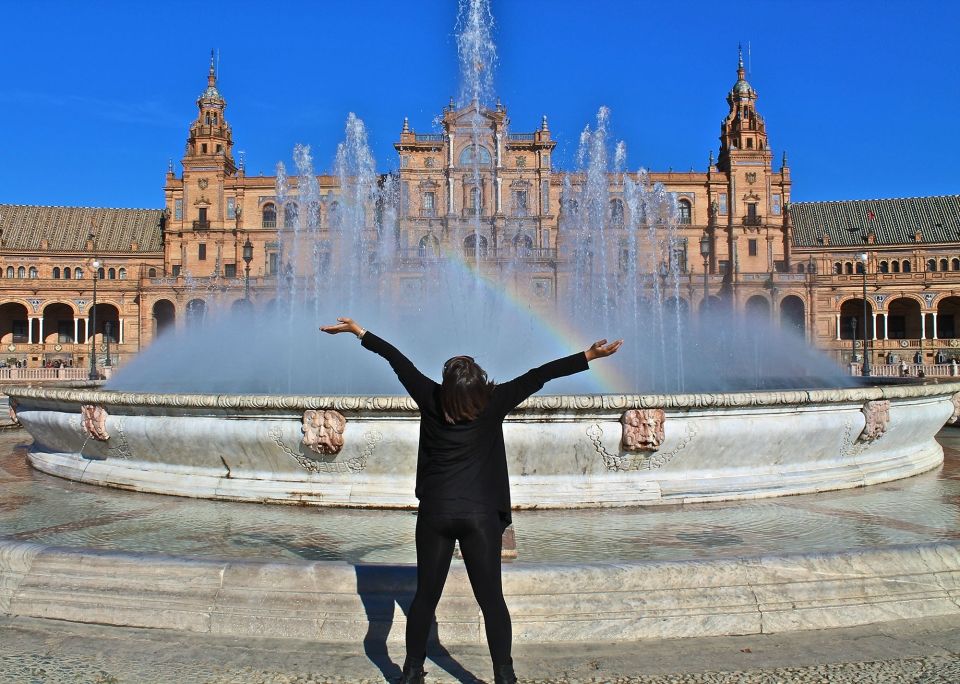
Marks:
<point>480,537</point>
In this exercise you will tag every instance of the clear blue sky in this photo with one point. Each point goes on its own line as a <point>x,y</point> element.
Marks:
<point>864,96</point>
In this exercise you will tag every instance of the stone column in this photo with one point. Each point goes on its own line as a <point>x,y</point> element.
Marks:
<point>86,329</point>
<point>499,196</point>
<point>120,331</point>
<point>29,329</point>
<point>450,195</point>
<point>934,317</point>
<point>874,316</point>
<point>923,326</point>
<point>838,326</point>
<point>76,330</point>
<point>41,340</point>
<point>886,319</point>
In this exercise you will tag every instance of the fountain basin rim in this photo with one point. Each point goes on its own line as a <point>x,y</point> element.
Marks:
<point>546,402</point>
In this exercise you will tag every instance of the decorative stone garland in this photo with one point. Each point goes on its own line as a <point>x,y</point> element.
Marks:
<point>589,402</point>
<point>353,465</point>
<point>629,462</point>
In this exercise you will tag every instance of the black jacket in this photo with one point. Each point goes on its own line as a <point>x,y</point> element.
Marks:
<point>462,468</point>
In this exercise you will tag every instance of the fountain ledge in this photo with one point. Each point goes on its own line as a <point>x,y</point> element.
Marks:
<point>625,601</point>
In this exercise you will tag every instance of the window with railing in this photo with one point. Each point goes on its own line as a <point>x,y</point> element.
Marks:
<point>428,247</point>
<point>475,246</point>
<point>290,216</point>
<point>684,212</point>
<point>520,202</point>
<point>269,216</point>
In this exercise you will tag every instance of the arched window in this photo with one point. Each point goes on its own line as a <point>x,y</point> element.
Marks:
<point>122,273</point>
<point>474,155</point>
<point>475,245</point>
<point>21,272</point>
<point>859,268</point>
<point>906,266</point>
<point>684,212</point>
<point>78,273</point>
<point>931,264</point>
<point>101,274</point>
<point>838,268</point>
<point>616,212</point>
<point>33,272</point>
<point>955,264</point>
<point>152,273</point>
<point>269,216</point>
<point>523,244</point>
<point>572,206</point>
<point>290,216</point>
<point>67,273</point>
<point>314,215</point>
<point>943,265</point>
<point>56,273</point>
<point>112,274</point>
<point>848,268</point>
<point>896,266</point>
<point>429,247</point>
<point>9,271</point>
<point>800,268</point>
<point>884,267</point>
<point>334,214</point>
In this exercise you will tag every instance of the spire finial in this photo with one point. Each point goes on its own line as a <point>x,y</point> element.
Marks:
<point>212,75</point>
<point>739,55</point>
<point>406,125</point>
<point>784,163</point>
<point>170,165</point>
<point>711,159</point>
<point>543,124</point>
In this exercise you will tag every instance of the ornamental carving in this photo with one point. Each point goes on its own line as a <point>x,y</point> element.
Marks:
<point>16,421</point>
<point>642,429</point>
<point>94,420</point>
<point>323,431</point>
<point>952,421</point>
<point>877,415</point>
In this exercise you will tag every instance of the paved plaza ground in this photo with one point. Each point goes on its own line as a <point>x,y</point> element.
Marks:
<point>40,651</point>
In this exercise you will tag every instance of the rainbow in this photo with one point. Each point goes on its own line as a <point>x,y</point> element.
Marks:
<point>558,328</point>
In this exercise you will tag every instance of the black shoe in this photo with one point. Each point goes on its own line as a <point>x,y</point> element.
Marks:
<point>505,674</point>
<point>413,673</point>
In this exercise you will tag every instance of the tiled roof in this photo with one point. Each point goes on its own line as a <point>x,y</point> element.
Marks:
<point>67,228</point>
<point>895,221</point>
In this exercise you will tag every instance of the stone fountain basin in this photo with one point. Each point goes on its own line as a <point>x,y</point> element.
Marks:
<point>563,451</point>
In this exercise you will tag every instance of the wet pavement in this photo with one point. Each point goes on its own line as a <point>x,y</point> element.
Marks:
<point>40,508</point>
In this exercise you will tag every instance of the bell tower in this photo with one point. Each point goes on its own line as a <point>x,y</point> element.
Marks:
<point>210,143</point>
<point>743,133</point>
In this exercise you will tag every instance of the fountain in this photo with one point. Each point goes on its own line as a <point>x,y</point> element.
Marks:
<point>243,413</point>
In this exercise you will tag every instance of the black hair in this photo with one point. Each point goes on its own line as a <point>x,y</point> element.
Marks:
<point>465,390</point>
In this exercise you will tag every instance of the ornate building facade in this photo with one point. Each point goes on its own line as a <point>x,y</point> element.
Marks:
<point>479,187</point>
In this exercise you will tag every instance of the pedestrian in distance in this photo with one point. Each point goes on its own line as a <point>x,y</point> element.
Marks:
<point>462,484</point>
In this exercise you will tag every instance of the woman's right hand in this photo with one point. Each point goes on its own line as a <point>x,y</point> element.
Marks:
<point>600,349</point>
<point>343,325</point>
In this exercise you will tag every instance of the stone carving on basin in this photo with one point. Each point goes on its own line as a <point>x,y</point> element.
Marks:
<point>642,429</point>
<point>956,410</point>
<point>323,431</point>
<point>94,421</point>
<point>877,415</point>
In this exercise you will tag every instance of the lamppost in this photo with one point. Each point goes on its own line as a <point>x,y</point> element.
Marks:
<point>247,258</point>
<point>107,332</point>
<point>865,372</point>
<point>853,341</point>
<point>95,267</point>
<point>705,253</point>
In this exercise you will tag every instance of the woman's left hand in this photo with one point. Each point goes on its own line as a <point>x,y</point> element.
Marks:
<point>343,325</point>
